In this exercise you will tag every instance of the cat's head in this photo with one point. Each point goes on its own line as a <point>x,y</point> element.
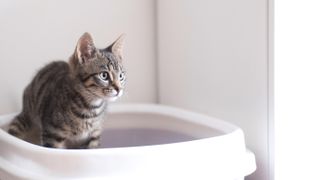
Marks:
<point>100,71</point>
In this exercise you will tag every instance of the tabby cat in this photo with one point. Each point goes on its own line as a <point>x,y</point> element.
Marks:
<point>65,103</point>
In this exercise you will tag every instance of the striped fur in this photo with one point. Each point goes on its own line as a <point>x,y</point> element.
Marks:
<point>65,103</point>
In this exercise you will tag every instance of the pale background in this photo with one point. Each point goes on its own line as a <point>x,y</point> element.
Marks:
<point>206,56</point>
<point>297,89</point>
<point>35,32</point>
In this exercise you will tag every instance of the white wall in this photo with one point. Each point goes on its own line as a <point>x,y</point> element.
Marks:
<point>34,32</point>
<point>213,58</point>
<point>297,89</point>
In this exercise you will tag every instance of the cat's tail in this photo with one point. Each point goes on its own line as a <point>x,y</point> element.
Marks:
<point>20,126</point>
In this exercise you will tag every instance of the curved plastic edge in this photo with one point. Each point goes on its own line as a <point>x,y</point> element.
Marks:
<point>250,161</point>
<point>188,115</point>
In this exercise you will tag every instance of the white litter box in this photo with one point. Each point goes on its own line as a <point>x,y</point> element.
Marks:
<point>144,142</point>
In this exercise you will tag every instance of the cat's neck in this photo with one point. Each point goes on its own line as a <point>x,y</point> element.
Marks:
<point>87,96</point>
<point>96,102</point>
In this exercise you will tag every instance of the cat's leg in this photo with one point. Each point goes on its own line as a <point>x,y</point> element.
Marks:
<point>20,126</point>
<point>53,139</point>
<point>94,142</point>
<point>94,139</point>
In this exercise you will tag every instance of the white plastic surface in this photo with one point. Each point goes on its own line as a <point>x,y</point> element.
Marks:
<point>155,142</point>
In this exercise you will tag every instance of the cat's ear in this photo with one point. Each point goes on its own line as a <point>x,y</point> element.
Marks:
<point>85,49</point>
<point>117,46</point>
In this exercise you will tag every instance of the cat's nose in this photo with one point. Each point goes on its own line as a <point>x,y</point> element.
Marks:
<point>119,90</point>
<point>116,86</point>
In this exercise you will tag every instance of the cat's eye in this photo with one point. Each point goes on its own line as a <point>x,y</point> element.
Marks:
<point>121,76</point>
<point>104,76</point>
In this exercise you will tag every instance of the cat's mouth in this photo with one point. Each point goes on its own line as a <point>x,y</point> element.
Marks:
<point>112,94</point>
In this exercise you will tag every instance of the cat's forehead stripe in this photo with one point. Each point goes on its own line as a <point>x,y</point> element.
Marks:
<point>104,67</point>
<point>110,66</point>
<point>112,62</point>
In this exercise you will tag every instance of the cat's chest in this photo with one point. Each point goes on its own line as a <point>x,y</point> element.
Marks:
<point>88,120</point>
<point>87,128</point>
